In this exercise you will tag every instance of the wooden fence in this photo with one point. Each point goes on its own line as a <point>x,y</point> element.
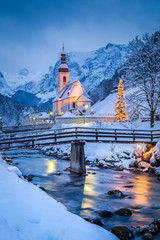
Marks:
<point>25,128</point>
<point>68,135</point>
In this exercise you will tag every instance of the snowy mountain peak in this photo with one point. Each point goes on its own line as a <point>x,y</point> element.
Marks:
<point>112,45</point>
<point>24,72</point>
<point>4,88</point>
<point>91,68</point>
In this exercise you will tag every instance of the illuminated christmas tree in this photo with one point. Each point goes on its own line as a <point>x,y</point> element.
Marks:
<point>120,106</point>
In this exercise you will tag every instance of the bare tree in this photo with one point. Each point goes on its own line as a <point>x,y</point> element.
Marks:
<point>142,72</point>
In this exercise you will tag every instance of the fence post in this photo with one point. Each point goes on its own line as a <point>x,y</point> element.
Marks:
<point>76,132</point>
<point>115,132</point>
<point>134,136</point>
<point>32,142</point>
<point>55,136</point>
<point>96,135</point>
<point>151,136</point>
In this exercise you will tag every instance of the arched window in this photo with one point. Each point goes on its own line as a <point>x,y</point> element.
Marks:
<point>74,104</point>
<point>64,79</point>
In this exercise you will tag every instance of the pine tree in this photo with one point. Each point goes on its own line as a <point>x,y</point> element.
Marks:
<point>141,72</point>
<point>120,106</point>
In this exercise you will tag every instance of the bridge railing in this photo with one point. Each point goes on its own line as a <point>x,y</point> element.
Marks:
<point>156,134</point>
<point>25,128</point>
<point>67,135</point>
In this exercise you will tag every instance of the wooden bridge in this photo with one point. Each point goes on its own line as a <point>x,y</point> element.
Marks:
<point>77,136</point>
<point>67,135</point>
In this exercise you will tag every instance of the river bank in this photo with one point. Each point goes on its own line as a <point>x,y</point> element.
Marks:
<point>87,195</point>
<point>28,213</point>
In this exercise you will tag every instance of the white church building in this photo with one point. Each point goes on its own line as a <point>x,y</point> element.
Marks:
<point>71,96</point>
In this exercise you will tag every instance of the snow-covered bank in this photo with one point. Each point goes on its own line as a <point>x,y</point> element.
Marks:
<point>108,155</point>
<point>148,159</point>
<point>117,156</point>
<point>28,213</point>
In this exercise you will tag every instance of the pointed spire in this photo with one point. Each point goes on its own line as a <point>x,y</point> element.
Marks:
<point>63,67</point>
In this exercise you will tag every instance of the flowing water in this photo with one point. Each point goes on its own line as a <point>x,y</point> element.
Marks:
<point>87,195</point>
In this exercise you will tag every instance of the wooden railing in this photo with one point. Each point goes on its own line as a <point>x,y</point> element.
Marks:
<point>67,135</point>
<point>25,128</point>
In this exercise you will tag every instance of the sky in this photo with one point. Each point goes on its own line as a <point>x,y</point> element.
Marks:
<point>32,31</point>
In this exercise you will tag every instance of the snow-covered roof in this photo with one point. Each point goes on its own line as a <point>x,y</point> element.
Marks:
<point>63,65</point>
<point>68,114</point>
<point>74,89</point>
<point>40,115</point>
<point>84,98</point>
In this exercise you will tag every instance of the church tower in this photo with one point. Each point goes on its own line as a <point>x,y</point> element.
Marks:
<point>63,75</point>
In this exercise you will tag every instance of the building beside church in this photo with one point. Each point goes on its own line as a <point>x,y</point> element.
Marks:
<point>71,96</point>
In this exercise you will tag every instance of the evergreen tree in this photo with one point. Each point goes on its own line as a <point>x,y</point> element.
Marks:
<point>142,72</point>
<point>120,106</point>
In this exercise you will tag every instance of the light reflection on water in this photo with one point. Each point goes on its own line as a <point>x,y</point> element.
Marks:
<point>51,166</point>
<point>142,190</point>
<point>86,195</point>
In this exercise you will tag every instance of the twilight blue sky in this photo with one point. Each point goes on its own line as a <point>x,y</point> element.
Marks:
<point>32,31</point>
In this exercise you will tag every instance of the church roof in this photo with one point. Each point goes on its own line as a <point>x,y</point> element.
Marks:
<point>84,98</point>
<point>63,67</point>
<point>74,89</point>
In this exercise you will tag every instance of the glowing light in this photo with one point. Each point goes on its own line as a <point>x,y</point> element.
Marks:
<point>51,167</point>
<point>142,189</point>
<point>34,118</point>
<point>140,146</point>
<point>85,106</point>
<point>51,113</point>
<point>89,192</point>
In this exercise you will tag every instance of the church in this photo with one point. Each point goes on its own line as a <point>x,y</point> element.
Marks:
<point>71,96</point>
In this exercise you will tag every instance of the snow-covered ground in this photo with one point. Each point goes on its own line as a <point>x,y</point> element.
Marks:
<point>113,125</point>
<point>28,213</point>
<point>107,105</point>
<point>111,155</point>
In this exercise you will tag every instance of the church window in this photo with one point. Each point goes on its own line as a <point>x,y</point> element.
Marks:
<point>64,79</point>
<point>74,104</point>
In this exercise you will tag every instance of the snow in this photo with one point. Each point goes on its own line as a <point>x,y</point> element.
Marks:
<point>117,154</point>
<point>28,213</point>
<point>107,105</point>
<point>68,114</point>
<point>40,115</point>
<point>46,96</point>
<point>108,152</point>
<point>63,66</point>
<point>91,68</point>
<point>155,153</point>
<point>112,125</point>
<point>16,79</point>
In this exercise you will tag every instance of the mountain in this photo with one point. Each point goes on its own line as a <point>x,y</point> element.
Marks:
<point>26,98</point>
<point>93,69</point>
<point>10,110</point>
<point>23,80</point>
<point>4,87</point>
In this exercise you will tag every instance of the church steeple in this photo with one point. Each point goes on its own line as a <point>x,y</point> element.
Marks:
<point>63,67</point>
<point>63,75</point>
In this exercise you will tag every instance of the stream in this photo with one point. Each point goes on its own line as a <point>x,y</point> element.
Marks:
<point>87,195</point>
